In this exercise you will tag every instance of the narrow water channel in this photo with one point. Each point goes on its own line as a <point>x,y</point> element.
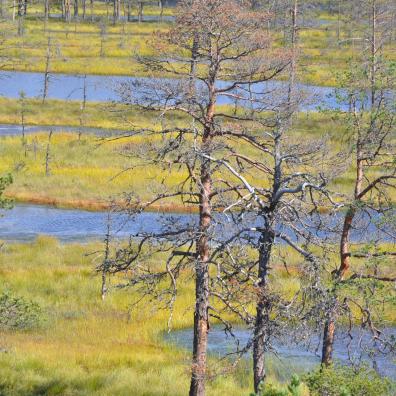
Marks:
<point>25,222</point>
<point>103,88</point>
<point>289,358</point>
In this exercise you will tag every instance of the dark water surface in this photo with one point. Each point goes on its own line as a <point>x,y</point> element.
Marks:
<point>288,358</point>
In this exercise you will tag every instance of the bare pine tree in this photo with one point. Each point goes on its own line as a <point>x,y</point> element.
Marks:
<point>48,57</point>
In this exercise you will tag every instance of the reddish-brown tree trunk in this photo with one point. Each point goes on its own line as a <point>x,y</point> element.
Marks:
<point>345,257</point>
<point>328,340</point>
<point>201,319</point>
<point>201,316</point>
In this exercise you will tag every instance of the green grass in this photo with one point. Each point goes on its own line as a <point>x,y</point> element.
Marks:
<point>86,172</point>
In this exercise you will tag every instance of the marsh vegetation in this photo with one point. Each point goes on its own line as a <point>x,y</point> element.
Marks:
<point>238,162</point>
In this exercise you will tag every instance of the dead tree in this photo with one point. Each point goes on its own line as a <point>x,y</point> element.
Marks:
<point>140,11</point>
<point>161,7</point>
<point>48,156</point>
<point>91,4</point>
<point>370,129</point>
<point>103,37</point>
<point>22,104</point>
<point>66,6</point>
<point>225,42</point>
<point>83,106</point>
<point>21,17</point>
<point>47,70</point>
<point>116,10</point>
<point>105,266</point>
<point>46,12</point>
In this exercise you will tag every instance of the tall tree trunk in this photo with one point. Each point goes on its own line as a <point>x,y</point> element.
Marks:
<point>338,21</point>
<point>328,339</point>
<point>201,319</point>
<point>293,63</point>
<point>46,11</point>
<point>21,16</point>
<point>92,9</point>
<point>161,7</point>
<point>75,5</point>
<point>47,70</point>
<point>201,316</point>
<point>262,310</point>
<point>84,8</point>
<point>48,156</point>
<point>116,10</point>
<point>129,8</point>
<point>67,10</point>
<point>329,327</point>
<point>373,49</point>
<point>140,11</point>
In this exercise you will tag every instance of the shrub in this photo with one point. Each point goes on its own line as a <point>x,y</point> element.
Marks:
<point>293,389</point>
<point>17,313</point>
<point>347,381</point>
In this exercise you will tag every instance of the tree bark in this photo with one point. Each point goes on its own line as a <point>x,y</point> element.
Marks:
<point>129,7</point>
<point>328,340</point>
<point>67,10</point>
<point>92,9</point>
<point>373,49</point>
<point>262,310</point>
<point>46,10</point>
<point>48,156</point>
<point>116,10</point>
<point>140,11</point>
<point>161,6</point>
<point>47,70</point>
<point>201,317</point>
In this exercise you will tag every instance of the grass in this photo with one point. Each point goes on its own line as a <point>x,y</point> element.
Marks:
<point>68,113</point>
<point>81,170</point>
<point>86,171</point>
<point>87,346</point>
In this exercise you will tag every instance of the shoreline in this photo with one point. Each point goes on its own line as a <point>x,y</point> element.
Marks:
<point>94,205</point>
